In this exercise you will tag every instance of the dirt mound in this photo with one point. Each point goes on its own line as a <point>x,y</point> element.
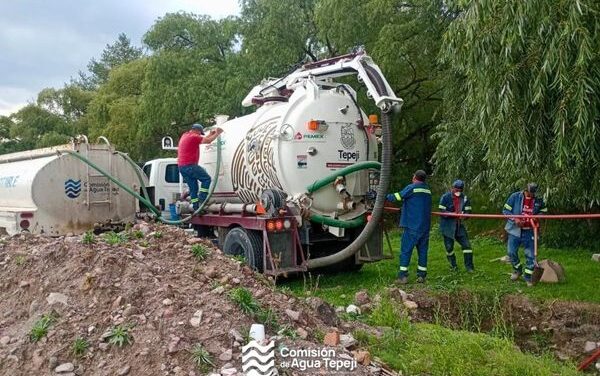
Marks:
<point>150,293</point>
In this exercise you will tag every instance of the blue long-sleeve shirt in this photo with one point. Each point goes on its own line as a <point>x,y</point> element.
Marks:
<point>416,206</point>
<point>514,206</point>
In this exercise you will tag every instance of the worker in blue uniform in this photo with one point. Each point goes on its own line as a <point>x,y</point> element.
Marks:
<point>453,228</point>
<point>415,220</point>
<point>520,230</point>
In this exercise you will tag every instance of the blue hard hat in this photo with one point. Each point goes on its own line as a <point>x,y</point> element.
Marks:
<point>198,127</point>
<point>459,184</point>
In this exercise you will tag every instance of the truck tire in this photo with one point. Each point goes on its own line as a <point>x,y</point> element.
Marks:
<point>247,243</point>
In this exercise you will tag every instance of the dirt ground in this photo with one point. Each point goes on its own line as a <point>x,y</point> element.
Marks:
<point>154,286</point>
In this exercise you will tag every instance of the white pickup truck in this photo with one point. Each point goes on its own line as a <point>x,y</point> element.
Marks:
<point>164,182</point>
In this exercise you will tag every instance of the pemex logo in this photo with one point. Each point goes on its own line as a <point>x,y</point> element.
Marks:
<point>258,360</point>
<point>72,188</point>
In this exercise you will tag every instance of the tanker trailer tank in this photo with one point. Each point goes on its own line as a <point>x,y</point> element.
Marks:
<point>45,191</point>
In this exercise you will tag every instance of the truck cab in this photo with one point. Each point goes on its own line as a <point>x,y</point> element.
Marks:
<point>164,181</point>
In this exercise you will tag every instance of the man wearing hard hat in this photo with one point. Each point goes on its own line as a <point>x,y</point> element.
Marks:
<point>188,156</point>
<point>453,228</point>
<point>520,231</point>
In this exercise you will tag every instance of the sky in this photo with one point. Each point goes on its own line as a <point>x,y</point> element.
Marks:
<point>44,43</point>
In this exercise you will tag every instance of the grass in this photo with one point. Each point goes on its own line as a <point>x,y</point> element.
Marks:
<point>490,277</point>
<point>243,298</point>
<point>137,234</point>
<point>199,251</point>
<point>119,336</point>
<point>202,358</point>
<point>41,326</point>
<point>429,349</point>
<point>114,238</point>
<point>80,346</point>
<point>88,238</point>
<point>157,234</point>
<point>20,260</point>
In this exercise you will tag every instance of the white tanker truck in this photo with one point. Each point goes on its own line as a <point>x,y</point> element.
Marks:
<point>50,191</point>
<point>299,177</point>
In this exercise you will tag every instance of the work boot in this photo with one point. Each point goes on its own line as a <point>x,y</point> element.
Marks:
<point>529,284</point>
<point>515,276</point>
<point>420,279</point>
<point>470,270</point>
<point>401,281</point>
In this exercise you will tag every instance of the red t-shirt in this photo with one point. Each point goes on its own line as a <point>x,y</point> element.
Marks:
<point>188,149</point>
<point>456,202</point>
<point>528,203</point>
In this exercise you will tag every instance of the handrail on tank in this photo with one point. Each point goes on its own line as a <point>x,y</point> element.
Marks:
<point>102,138</point>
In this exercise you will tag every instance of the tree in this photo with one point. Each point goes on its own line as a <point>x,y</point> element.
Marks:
<point>121,52</point>
<point>115,110</point>
<point>32,122</point>
<point>523,100</point>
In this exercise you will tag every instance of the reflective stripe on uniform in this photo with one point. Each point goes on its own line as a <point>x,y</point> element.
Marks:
<point>422,268</point>
<point>403,268</point>
<point>203,189</point>
<point>194,200</point>
<point>467,251</point>
<point>421,190</point>
<point>398,197</point>
<point>450,254</point>
<point>442,207</point>
<point>544,210</point>
<point>507,206</point>
<point>468,208</point>
<point>517,266</point>
<point>528,271</point>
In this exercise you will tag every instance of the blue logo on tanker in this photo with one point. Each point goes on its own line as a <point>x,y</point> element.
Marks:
<point>72,188</point>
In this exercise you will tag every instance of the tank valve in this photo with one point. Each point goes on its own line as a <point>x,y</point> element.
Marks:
<point>311,151</point>
<point>340,186</point>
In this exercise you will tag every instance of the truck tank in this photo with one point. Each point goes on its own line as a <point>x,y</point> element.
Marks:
<point>291,142</point>
<point>45,191</point>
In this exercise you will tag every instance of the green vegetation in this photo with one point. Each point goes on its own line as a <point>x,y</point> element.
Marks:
<point>426,349</point>
<point>88,238</point>
<point>41,326</point>
<point>157,234</point>
<point>243,298</point>
<point>20,260</point>
<point>120,336</point>
<point>80,346</point>
<point>137,234</point>
<point>202,358</point>
<point>491,278</point>
<point>115,238</point>
<point>239,258</point>
<point>199,251</point>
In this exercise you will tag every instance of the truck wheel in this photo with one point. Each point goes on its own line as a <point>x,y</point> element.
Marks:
<point>246,243</point>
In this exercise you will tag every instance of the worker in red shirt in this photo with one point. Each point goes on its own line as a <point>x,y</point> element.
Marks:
<point>520,230</point>
<point>188,156</point>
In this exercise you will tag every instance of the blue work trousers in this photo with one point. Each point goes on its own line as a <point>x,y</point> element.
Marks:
<point>514,242</point>
<point>191,175</point>
<point>410,240</point>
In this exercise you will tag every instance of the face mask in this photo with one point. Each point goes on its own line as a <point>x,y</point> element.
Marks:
<point>457,194</point>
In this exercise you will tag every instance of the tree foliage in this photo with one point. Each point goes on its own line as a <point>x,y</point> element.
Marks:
<point>523,104</point>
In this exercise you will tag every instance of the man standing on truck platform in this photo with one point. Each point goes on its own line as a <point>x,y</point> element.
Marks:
<point>520,230</point>
<point>188,156</point>
<point>415,219</point>
<point>453,228</point>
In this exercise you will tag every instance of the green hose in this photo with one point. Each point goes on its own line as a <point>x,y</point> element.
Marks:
<point>352,223</point>
<point>145,200</point>
<point>356,222</point>
<point>343,172</point>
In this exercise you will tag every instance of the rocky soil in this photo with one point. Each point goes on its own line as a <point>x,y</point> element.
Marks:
<point>152,287</point>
